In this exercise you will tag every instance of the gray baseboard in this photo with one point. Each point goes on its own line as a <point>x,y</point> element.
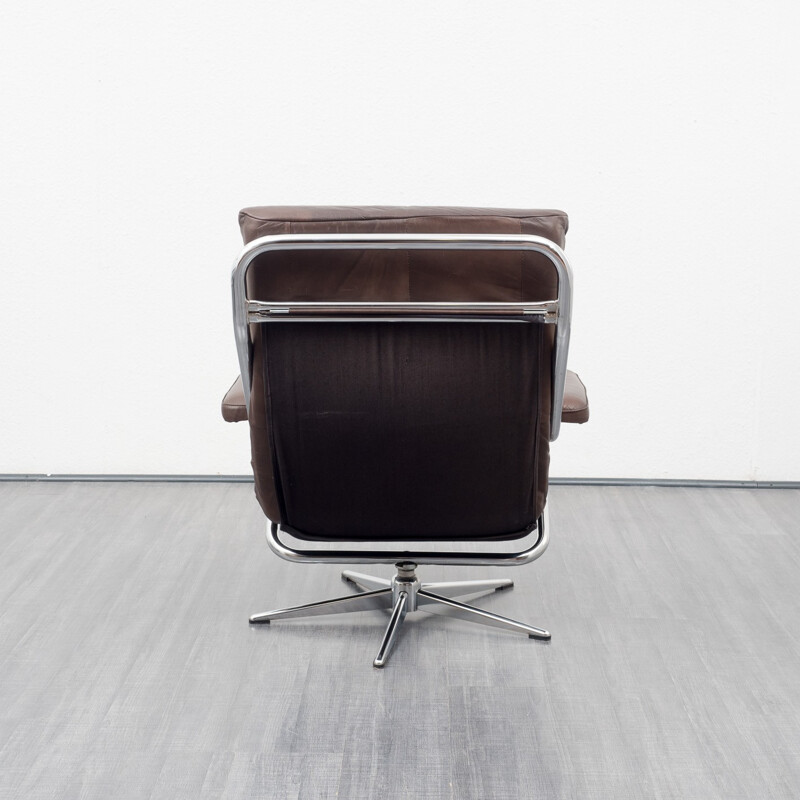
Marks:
<point>554,481</point>
<point>675,483</point>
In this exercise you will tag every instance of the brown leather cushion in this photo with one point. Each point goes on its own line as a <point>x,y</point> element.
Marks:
<point>575,409</point>
<point>233,407</point>
<point>271,220</point>
<point>576,403</point>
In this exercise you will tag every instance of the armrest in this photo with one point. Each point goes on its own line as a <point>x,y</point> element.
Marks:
<point>233,407</point>
<point>576,404</point>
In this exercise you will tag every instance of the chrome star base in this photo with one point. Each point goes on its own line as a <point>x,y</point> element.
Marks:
<point>402,594</point>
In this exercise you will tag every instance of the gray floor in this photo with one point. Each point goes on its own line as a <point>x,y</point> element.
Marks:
<point>128,669</point>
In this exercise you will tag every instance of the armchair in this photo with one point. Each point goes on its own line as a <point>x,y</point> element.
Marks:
<point>403,371</point>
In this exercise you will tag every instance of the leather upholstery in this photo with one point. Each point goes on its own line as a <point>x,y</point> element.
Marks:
<point>271,220</point>
<point>396,275</point>
<point>575,408</point>
<point>576,403</point>
<point>233,407</point>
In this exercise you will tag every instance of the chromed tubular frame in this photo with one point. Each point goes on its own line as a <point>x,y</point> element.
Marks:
<point>408,241</point>
<point>486,559</point>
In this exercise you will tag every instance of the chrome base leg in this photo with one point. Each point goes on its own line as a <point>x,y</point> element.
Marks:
<point>365,581</point>
<point>436,604</point>
<point>392,629</point>
<point>456,588</point>
<point>382,598</point>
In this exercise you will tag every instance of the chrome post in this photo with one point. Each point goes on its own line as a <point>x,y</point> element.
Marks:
<point>406,582</point>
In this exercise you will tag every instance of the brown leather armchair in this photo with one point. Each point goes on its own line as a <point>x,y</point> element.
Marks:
<point>403,372</point>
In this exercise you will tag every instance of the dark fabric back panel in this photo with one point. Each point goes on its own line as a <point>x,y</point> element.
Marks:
<point>406,430</point>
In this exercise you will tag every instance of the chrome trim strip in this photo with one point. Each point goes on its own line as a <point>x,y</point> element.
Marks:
<point>413,317</point>
<point>260,311</point>
<point>344,241</point>
<point>416,556</point>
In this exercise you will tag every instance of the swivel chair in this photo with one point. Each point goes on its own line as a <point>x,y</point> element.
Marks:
<point>403,371</point>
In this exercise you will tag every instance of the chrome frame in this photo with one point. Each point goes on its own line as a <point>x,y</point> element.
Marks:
<point>339,556</point>
<point>404,593</point>
<point>559,311</point>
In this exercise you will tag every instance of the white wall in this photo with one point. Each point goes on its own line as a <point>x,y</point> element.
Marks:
<point>133,132</point>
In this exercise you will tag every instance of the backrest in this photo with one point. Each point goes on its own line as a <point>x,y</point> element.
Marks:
<point>420,430</point>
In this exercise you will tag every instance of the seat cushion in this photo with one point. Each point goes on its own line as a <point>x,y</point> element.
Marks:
<point>575,409</point>
<point>271,220</point>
